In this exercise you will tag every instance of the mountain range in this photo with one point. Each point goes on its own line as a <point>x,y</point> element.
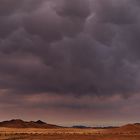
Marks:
<point>17,123</point>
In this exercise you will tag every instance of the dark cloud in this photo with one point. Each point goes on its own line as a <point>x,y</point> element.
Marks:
<point>8,7</point>
<point>116,12</point>
<point>82,47</point>
<point>74,9</point>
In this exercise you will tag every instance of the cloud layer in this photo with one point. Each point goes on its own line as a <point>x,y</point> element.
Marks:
<point>69,48</point>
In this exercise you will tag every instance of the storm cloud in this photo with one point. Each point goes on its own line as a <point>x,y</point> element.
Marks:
<point>69,48</point>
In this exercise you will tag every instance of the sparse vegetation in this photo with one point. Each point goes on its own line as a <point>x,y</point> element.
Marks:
<point>66,134</point>
<point>38,131</point>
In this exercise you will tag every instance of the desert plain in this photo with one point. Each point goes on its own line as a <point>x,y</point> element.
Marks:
<point>127,132</point>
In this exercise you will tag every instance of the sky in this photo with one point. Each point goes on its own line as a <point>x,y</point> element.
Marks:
<point>70,62</point>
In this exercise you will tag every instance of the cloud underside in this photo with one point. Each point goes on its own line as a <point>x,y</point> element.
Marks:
<point>69,48</point>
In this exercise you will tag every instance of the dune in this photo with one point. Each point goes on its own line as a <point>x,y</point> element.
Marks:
<point>129,128</point>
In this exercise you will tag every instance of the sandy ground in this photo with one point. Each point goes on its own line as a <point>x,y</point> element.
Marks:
<point>65,134</point>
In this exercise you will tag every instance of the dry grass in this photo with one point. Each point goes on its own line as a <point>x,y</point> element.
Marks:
<point>64,134</point>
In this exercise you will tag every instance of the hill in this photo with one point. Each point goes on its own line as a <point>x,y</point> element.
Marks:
<point>17,123</point>
<point>129,128</point>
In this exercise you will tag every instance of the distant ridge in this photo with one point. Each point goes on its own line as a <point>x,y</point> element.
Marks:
<point>17,123</point>
<point>80,126</point>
